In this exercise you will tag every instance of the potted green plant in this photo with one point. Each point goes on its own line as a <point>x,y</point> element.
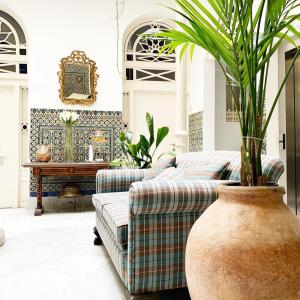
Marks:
<point>245,245</point>
<point>140,155</point>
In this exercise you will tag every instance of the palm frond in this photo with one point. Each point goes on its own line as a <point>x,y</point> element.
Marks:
<point>242,40</point>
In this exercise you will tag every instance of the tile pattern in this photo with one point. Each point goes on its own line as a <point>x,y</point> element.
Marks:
<point>231,116</point>
<point>196,132</point>
<point>46,129</point>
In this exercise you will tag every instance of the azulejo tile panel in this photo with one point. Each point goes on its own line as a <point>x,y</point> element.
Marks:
<point>196,132</point>
<point>46,128</point>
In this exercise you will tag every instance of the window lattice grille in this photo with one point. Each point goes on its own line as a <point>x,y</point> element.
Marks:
<point>13,48</point>
<point>143,61</point>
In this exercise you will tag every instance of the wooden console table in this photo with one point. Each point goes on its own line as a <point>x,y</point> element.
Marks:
<point>39,170</point>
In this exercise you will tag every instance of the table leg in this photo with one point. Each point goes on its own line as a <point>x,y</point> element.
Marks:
<point>39,194</point>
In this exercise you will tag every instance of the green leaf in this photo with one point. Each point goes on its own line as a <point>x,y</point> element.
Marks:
<point>124,148</point>
<point>295,32</point>
<point>192,50</point>
<point>122,136</point>
<point>133,148</point>
<point>144,145</point>
<point>150,124</point>
<point>183,49</point>
<point>161,134</point>
<point>116,163</point>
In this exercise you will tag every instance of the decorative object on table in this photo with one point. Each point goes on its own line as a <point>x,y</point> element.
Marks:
<point>139,155</point>
<point>46,128</point>
<point>71,192</point>
<point>91,153</point>
<point>58,170</point>
<point>99,144</point>
<point>2,237</point>
<point>247,244</point>
<point>43,153</point>
<point>78,79</point>
<point>68,119</point>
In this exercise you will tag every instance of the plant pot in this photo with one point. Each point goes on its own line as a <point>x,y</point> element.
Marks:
<point>245,246</point>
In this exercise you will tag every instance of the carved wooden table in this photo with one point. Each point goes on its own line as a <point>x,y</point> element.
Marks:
<point>40,170</point>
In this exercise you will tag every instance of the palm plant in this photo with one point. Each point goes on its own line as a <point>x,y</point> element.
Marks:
<point>242,37</point>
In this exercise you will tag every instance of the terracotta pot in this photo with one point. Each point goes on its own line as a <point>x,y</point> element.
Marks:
<point>245,246</point>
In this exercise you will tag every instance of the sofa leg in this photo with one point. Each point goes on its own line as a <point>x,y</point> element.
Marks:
<point>97,240</point>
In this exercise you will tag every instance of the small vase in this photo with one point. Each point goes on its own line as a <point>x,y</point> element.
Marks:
<point>68,147</point>
<point>246,245</point>
<point>43,153</point>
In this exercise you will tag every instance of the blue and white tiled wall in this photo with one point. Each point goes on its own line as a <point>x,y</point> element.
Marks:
<point>47,129</point>
<point>196,132</point>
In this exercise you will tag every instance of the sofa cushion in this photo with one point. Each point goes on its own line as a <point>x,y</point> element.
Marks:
<point>208,170</point>
<point>272,167</point>
<point>114,209</point>
<point>162,164</point>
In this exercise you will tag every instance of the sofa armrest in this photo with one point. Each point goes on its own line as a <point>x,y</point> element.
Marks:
<point>152,197</point>
<point>117,180</point>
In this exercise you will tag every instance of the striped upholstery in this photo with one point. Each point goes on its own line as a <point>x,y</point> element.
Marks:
<point>117,180</point>
<point>114,209</point>
<point>117,255</point>
<point>272,167</point>
<point>156,251</point>
<point>162,164</point>
<point>212,170</point>
<point>159,215</point>
<point>152,197</point>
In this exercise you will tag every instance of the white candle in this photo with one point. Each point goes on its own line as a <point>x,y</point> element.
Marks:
<point>91,153</point>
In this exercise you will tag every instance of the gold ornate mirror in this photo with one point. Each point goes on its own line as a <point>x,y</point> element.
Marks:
<point>78,79</point>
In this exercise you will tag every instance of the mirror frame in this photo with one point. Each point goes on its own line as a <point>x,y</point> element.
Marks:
<point>78,57</point>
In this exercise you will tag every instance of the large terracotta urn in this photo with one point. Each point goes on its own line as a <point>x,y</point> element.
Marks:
<point>245,246</point>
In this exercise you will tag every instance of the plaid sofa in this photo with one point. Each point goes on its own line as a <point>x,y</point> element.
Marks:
<point>144,225</point>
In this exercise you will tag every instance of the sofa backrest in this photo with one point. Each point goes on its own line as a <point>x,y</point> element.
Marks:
<point>272,167</point>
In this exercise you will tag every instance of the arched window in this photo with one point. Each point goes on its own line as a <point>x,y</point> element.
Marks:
<point>13,49</point>
<point>142,59</point>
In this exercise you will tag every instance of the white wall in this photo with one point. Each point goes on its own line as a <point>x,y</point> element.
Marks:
<point>55,28</point>
<point>201,93</point>
<point>195,79</point>
<point>207,93</point>
<point>228,134</point>
<point>271,92</point>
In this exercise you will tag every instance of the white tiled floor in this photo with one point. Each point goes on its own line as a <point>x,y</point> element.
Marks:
<point>53,258</point>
